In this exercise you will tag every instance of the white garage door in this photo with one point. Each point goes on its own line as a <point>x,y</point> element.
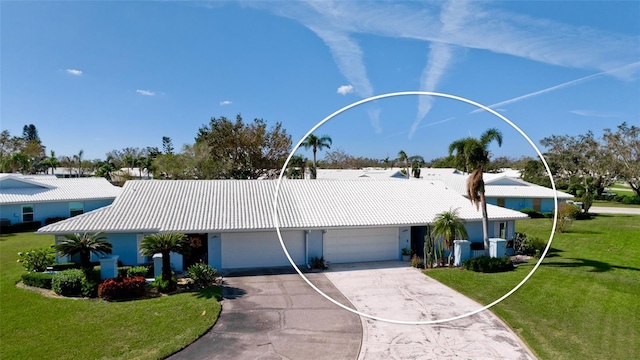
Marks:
<point>355,245</point>
<point>260,249</point>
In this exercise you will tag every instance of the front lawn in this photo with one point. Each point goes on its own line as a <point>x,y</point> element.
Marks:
<point>604,203</point>
<point>583,302</point>
<point>36,327</point>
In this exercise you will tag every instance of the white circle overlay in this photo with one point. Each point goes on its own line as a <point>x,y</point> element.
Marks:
<point>276,218</point>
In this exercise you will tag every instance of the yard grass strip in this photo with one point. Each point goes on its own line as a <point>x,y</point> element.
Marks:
<point>582,302</point>
<point>37,327</point>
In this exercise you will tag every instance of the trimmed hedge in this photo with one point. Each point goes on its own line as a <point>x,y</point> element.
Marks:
<point>21,227</point>
<point>137,271</point>
<point>486,264</point>
<point>38,279</point>
<point>122,288</point>
<point>69,282</point>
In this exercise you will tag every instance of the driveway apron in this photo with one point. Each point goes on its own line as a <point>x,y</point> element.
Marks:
<point>279,317</point>
<point>393,290</point>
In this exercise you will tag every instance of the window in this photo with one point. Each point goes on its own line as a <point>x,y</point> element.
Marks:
<point>27,213</point>
<point>501,230</point>
<point>75,208</point>
<point>500,202</point>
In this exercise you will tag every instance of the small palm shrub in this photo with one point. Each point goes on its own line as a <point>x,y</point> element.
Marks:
<point>37,259</point>
<point>122,288</point>
<point>69,282</point>
<point>40,280</point>
<point>486,264</point>
<point>165,286</point>
<point>137,271</point>
<point>416,261</point>
<point>202,274</point>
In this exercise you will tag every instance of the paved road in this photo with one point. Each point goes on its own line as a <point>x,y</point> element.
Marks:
<point>614,210</point>
<point>396,291</point>
<point>279,317</point>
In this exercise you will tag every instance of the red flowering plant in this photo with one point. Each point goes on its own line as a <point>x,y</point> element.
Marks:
<point>122,288</point>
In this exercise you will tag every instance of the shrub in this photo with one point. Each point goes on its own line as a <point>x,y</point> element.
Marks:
<point>122,288</point>
<point>21,227</point>
<point>40,280</point>
<point>65,266</point>
<point>137,271</point>
<point>69,282</point>
<point>318,263</point>
<point>486,264</point>
<point>37,259</point>
<point>528,245</point>
<point>566,214</point>
<point>416,261</point>
<point>202,274</point>
<point>165,286</point>
<point>534,214</point>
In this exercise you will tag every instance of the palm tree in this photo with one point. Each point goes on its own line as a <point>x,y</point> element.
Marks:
<point>51,162</point>
<point>403,158</point>
<point>316,143</point>
<point>165,243</point>
<point>85,245</point>
<point>474,154</point>
<point>78,158</point>
<point>451,227</point>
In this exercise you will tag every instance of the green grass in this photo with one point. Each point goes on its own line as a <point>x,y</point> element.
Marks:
<point>583,302</point>
<point>36,327</point>
<point>620,188</point>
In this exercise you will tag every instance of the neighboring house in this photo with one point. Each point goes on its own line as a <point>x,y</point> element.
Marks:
<point>231,222</point>
<point>360,174</point>
<point>25,198</point>
<point>505,191</point>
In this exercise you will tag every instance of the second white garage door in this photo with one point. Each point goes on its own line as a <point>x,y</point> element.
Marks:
<point>355,245</point>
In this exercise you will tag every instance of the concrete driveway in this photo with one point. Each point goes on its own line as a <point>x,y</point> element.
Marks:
<point>396,291</point>
<point>278,316</point>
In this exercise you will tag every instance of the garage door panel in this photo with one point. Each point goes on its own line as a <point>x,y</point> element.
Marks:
<point>355,245</point>
<point>261,249</point>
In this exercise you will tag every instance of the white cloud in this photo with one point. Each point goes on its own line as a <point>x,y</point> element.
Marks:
<point>345,89</point>
<point>146,92</point>
<point>598,114</point>
<point>74,72</point>
<point>225,102</point>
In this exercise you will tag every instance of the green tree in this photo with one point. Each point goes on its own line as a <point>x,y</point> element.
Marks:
<point>623,147</point>
<point>51,162</point>
<point>296,168</point>
<point>167,145</point>
<point>403,159</point>
<point>316,143</point>
<point>235,150</point>
<point>450,227</point>
<point>85,245</point>
<point>474,154</point>
<point>77,158</point>
<point>165,244</point>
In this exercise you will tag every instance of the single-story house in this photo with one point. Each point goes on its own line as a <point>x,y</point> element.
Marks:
<point>231,223</point>
<point>26,198</point>
<point>504,191</point>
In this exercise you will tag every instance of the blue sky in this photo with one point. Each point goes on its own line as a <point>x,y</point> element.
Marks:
<point>106,75</point>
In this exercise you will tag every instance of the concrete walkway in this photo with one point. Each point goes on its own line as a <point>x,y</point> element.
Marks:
<point>614,210</point>
<point>396,291</point>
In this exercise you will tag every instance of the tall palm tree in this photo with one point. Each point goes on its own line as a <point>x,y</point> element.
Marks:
<point>451,227</point>
<point>316,143</point>
<point>51,162</point>
<point>78,158</point>
<point>165,244</point>
<point>474,154</point>
<point>85,245</point>
<point>403,158</point>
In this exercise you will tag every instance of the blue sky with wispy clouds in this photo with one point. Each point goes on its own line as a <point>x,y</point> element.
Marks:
<point>99,76</point>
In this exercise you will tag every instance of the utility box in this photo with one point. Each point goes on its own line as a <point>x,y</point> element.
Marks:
<point>497,248</point>
<point>109,267</point>
<point>461,251</point>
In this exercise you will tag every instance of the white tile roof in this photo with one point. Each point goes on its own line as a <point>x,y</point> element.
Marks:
<point>508,188</point>
<point>236,205</point>
<point>51,189</point>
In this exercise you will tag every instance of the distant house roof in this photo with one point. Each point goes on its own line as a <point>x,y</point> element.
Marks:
<point>360,174</point>
<point>237,205</point>
<point>21,189</point>
<point>500,185</point>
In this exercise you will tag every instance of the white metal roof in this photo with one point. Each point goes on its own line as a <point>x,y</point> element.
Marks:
<point>236,205</point>
<point>36,189</point>
<point>360,174</point>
